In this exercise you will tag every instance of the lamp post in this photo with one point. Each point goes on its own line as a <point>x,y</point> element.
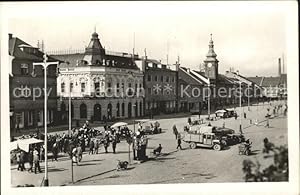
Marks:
<point>45,64</point>
<point>70,107</point>
<point>208,106</point>
<point>241,107</point>
<point>248,97</point>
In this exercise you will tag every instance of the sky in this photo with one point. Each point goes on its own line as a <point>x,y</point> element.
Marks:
<point>250,36</point>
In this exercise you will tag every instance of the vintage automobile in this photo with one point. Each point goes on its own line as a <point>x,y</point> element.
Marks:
<point>207,140</point>
<point>228,136</point>
<point>230,112</point>
<point>150,126</point>
<point>221,113</point>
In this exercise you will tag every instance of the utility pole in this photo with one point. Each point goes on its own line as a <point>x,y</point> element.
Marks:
<point>45,64</point>
<point>241,108</point>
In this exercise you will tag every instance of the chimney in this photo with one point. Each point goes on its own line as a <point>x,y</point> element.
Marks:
<point>10,36</point>
<point>279,67</point>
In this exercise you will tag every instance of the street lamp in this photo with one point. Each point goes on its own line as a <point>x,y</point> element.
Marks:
<point>45,64</point>
<point>248,98</point>
<point>241,107</point>
<point>70,107</point>
<point>208,106</point>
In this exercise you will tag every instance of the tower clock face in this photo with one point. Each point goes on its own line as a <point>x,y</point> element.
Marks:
<point>209,65</point>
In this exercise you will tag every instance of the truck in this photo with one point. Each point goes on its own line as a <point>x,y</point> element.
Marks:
<point>206,139</point>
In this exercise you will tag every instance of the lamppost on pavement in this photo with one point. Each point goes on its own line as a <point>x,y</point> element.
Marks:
<point>248,94</point>
<point>70,107</point>
<point>45,64</point>
<point>241,108</point>
<point>208,103</point>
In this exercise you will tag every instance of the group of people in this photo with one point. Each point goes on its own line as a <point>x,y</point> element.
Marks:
<point>33,159</point>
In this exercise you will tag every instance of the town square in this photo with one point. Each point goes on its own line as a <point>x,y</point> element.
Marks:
<point>178,94</point>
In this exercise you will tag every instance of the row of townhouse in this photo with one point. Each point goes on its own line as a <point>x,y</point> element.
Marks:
<point>104,86</point>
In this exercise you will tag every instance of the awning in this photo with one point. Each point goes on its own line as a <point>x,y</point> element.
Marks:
<point>23,144</point>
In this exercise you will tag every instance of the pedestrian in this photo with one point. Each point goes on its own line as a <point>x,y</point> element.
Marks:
<point>79,153</point>
<point>179,143</point>
<point>18,161</point>
<point>30,160</point>
<point>267,124</point>
<point>91,147</point>
<point>96,146</point>
<point>74,156</point>
<point>209,124</point>
<point>106,143</point>
<point>42,153</point>
<point>224,124</point>
<point>235,115</point>
<point>245,115</point>
<point>36,161</point>
<point>55,151</point>
<point>175,131</point>
<point>158,149</point>
<point>22,160</point>
<point>114,144</point>
<point>189,121</point>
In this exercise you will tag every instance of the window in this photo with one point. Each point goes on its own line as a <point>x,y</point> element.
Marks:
<point>167,78</point>
<point>123,109</point>
<point>136,86</point>
<point>149,91</point>
<point>162,78</point>
<point>82,87</point>
<point>130,91</point>
<point>71,87</point>
<point>30,116</point>
<point>118,87</point>
<point>108,87</point>
<point>97,87</point>
<point>62,87</point>
<point>149,77</point>
<point>118,109</point>
<point>83,111</point>
<point>24,69</point>
<point>155,78</point>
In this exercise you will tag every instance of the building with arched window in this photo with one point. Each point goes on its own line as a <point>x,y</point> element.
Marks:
<point>103,85</point>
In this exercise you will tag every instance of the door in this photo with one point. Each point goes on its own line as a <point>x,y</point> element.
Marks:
<point>97,112</point>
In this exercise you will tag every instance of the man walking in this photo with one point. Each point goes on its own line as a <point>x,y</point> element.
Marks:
<point>179,142</point>
<point>30,160</point>
<point>36,160</point>
<point>114,144</point>
<point>175,131</point>
<point>96,146</point>
<point>91,147</point>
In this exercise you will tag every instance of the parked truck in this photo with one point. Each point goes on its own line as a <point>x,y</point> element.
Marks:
<point>202,139</point>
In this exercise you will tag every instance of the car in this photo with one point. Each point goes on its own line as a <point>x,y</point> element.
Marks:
<point>150,126</point>
<point>206,140</point>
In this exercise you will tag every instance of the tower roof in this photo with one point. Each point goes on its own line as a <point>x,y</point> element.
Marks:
<point>94,52</point>
<point>211,52</point>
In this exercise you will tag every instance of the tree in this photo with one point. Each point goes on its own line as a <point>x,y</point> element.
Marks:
<point>278,171</point>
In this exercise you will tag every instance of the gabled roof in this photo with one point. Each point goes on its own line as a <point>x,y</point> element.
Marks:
<point>15,45</point>
<point>196,80</point>
<point>269,81</point>
<point>256,80</point>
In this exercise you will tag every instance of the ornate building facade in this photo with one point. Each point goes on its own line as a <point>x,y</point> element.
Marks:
<point>103,85</point>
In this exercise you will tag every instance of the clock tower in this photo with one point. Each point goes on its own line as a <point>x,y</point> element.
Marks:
<point>211,62</point>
